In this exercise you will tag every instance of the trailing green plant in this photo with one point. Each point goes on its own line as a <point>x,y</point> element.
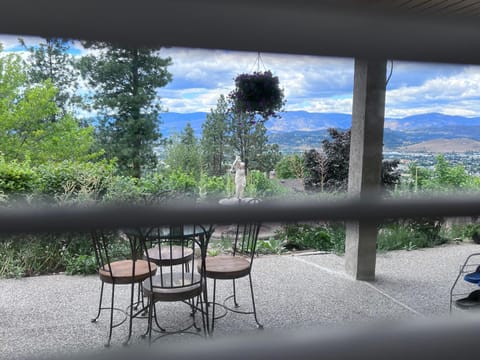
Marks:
<point>270,246</point>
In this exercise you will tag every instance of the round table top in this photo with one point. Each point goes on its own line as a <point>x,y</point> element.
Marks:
<point>170,231</point>
<point>235,201</point>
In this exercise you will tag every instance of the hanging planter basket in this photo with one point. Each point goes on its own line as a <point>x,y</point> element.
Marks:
<point>258,93</point>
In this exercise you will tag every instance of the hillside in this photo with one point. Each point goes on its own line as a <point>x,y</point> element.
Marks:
<point>297,131</point>
<point>459,145</point>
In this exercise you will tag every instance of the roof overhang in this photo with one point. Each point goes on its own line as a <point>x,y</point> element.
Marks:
<point>422,30</point>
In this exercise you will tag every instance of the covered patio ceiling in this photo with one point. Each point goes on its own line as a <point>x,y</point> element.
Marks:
<point>437,8</point>
<point>421,30</point>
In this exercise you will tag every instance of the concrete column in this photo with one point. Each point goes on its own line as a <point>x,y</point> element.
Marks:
<point>365,162</point>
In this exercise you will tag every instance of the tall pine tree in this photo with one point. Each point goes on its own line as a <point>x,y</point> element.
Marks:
<point>183,153</point>
<point>215,138</point>
<point>248,138</point>
<point>51,60</point>
<point>124,83</point>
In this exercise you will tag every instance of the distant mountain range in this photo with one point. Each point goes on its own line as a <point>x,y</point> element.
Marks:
<point>300,130</point>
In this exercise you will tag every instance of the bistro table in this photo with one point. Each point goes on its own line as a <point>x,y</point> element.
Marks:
<point>172,254</point>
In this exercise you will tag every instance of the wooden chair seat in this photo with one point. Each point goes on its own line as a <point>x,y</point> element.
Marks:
<point>177,256</point>
<point>173,286</point>
<point>122,272</point>
<point>226,267</point>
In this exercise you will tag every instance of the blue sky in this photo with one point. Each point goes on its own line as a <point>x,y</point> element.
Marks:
<point>311,83</point>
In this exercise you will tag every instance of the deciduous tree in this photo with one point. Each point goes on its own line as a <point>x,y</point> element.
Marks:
<point>329,170</point>
<point>26,129</point>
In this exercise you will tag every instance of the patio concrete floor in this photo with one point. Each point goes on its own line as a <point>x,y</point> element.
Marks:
<point>46,315</point>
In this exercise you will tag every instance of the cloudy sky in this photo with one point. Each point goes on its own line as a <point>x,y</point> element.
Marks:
<point>311,83</point>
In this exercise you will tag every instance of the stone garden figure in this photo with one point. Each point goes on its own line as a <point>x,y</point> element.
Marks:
<point>238,167</point>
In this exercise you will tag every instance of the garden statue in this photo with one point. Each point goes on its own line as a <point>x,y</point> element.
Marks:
<point>238,167</point>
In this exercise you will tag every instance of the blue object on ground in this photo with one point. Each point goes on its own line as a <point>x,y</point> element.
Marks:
<point>473,277</point>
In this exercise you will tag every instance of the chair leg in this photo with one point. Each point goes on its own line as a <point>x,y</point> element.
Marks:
<point>205,294</point>
<point>213,305</point>
<point>139,297</point>
<point>112,304</point>
<point>150,316</point>
<point>235,295</point>
<point>205,310</point>
<point>194,312</point>
<point>260,326</point>
<point>156,319</point>
<point>132,294</point>
<point>199,299</point>
<point>148,319</point>
<point>99,304</point>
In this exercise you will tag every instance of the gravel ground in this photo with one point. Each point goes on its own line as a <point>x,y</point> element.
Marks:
<point>46,315</point>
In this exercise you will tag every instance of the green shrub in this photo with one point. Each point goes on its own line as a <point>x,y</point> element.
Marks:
<point>10,260</point>
<point>212,186</point>
<point>81,265</point>
<point>395,237</point>
<point>259,185</point>
<point>182,182</point>
<point>290,167</point>
<point>338,233</point>
<point>410,234</point>
<point>148,190</point>
<point>74,181</point>
<point>122,189</point>
<point>16,178</point>
<point>79,255</point>
<point>465,231</point>
<point>324,237</point>
<point>36,254</point>
<point>27,255</point>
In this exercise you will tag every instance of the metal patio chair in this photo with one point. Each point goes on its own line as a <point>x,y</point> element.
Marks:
<point>233,267</point>
<point>119,272</point>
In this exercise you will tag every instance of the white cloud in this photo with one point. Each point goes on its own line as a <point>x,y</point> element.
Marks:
<point>310,83</point>
<point>189,100</point>
<point>458,94</point>
<point>8,41</point>
<point>11,41</point>
<point>307,81</point>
